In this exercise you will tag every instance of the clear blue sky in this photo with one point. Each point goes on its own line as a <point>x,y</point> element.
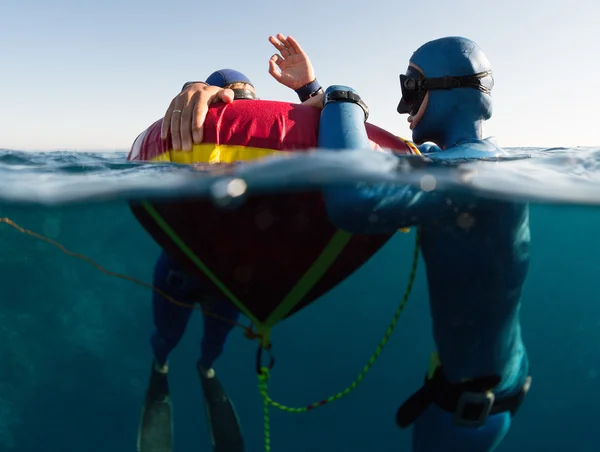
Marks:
<point>91,75</point>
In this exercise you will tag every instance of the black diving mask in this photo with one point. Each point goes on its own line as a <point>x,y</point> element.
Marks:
<point>415,85</point>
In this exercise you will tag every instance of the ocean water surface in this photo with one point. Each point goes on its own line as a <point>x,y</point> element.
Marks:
<point>75,356</point>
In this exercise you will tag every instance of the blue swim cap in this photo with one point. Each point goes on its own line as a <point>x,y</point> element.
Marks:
<point>224,77</point>
<point>458,77</point>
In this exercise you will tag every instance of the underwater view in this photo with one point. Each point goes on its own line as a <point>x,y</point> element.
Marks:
<point>76,311</point>
<point>376,233</point>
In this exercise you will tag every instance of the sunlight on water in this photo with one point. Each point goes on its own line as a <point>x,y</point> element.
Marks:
<point>531,174</point>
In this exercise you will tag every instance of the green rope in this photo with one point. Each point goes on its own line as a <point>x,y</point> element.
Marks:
<point>264,375</point>
<point>314,274</point>
<point>164,225</point>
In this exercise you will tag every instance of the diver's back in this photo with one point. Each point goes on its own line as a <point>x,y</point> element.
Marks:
<point>477,262</point>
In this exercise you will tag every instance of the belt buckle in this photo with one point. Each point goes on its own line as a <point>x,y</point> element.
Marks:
<point>483,400</point>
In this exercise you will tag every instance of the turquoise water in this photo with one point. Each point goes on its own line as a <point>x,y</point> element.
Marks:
<point>75,354</point>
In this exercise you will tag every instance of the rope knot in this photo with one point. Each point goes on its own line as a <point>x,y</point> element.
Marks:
<point>251,334</point>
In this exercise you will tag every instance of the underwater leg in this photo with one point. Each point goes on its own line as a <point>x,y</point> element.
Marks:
<point>223,422</point>
<point>156,427</point>
<point>170,320</point>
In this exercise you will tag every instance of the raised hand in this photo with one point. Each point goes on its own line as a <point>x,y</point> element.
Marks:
<point>291,67</point>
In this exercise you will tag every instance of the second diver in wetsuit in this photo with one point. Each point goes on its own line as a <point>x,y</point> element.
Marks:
<point>170,321</point>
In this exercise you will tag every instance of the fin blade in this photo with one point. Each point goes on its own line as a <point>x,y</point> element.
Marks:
<point>155,433</point>
<point>223,421</point>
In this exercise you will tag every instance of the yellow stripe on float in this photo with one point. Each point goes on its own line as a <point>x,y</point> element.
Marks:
<point>226,153</point>
<point>215,153</point>
<point>411,145</point>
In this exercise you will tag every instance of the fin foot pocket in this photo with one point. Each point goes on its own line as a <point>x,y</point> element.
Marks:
<point>155,432</point>
<point>223,421</point>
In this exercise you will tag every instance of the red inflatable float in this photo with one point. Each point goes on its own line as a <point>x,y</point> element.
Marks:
<point>274,247</point>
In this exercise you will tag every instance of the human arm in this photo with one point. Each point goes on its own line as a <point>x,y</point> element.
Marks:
<point>381,208</point>
<point>374,208</point>
<point>377,208</point>
<point>292,68</point>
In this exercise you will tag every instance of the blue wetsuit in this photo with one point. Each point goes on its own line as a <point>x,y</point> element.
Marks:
<point>171,320</point>
<point>476,251</point>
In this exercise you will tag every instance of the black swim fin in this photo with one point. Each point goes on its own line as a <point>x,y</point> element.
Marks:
<point>223,422</point>
<point>155,432</point>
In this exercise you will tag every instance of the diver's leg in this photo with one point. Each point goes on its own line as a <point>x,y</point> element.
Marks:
<point>471,414</point>
<point>170,320</point>
<point>219,319</point>
<point>434,431</point>
<point>440,429</point>
<point>471,394</point>
<point>222,418</point>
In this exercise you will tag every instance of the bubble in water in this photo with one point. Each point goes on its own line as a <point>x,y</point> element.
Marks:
<point>237,187</point>
<point>428,182</point>
<point>225,192</point>
<point>465,220</point>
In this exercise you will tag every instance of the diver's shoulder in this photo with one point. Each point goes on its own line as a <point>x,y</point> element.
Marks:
<point>428,147</point>
<point>487,145</point>
<point>473,149</point>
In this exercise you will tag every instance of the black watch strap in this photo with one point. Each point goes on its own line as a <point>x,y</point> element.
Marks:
<point>346,96</point>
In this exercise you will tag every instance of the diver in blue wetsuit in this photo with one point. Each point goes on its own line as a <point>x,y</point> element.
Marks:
<point>476,250</point>
<point>170,321</point>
